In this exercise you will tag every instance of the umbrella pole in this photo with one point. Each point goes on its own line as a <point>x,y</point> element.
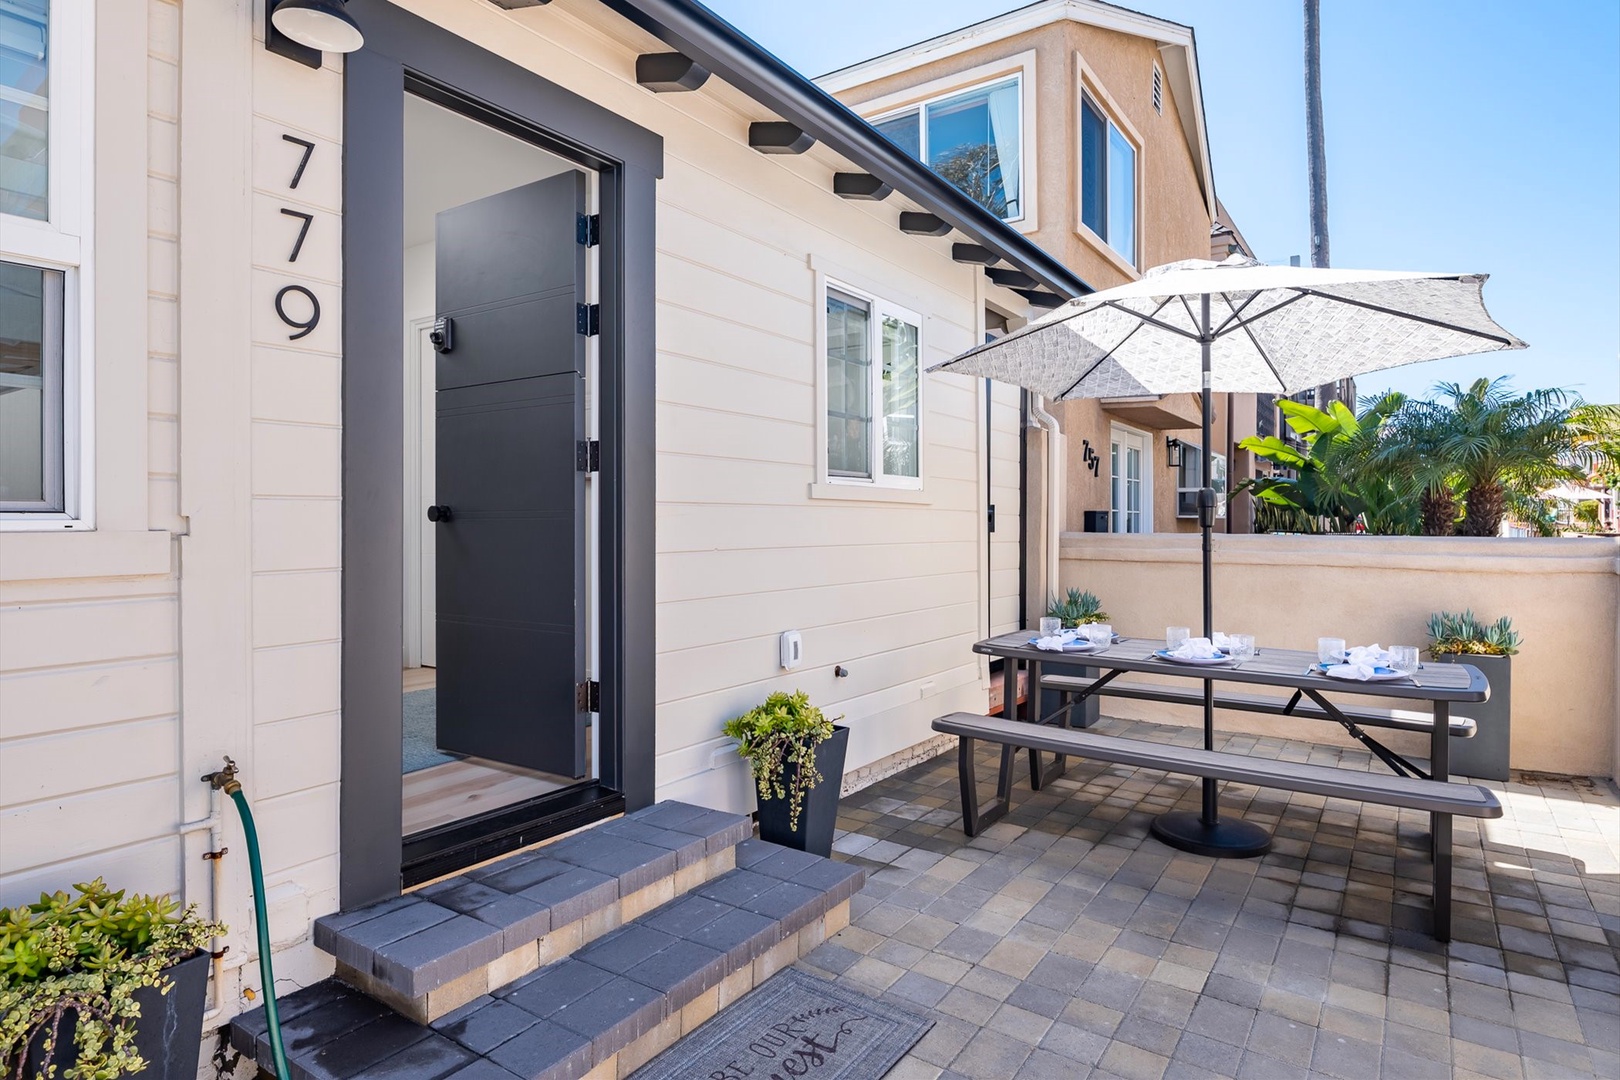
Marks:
<point>1205,833</point>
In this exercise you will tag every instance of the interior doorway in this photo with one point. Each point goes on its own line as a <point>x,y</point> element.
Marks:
<point>498,518</point>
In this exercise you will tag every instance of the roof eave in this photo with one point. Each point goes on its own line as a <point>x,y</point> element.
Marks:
<point>708,39</point>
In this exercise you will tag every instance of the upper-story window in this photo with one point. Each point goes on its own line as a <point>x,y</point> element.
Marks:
<point>973,138</point>
<point>43,254</point>
<point>1107,179</point>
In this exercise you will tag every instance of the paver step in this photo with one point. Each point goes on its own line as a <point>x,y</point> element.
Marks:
<point>602,1012</point>
<point>428,953</point>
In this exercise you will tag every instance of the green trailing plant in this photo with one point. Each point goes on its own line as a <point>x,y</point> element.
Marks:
<point>1077,609</point>
<point>1458,633</point>
<point>80,958</point>
<point>779,739</point>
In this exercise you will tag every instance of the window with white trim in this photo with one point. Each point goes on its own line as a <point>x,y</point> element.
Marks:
<point>1107,179</point>
<point>43,255</point>
<point>973,138</point>
<point>874,391</point>
<point>1190,478</point>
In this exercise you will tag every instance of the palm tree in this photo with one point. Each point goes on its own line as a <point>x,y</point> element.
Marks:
<point>1506,448</point>
<point>1411,454</point>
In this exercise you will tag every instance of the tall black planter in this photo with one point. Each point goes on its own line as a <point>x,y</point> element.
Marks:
<point>168,1035</point>
<point>819,814</point>
<point>1486,755</point>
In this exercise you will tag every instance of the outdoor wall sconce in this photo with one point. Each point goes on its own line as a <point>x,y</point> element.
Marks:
<point>303,29</point>
<point>1172,451</point>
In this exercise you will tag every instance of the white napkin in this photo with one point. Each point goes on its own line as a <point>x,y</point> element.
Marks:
<point>1222,641</point>
<point>1056,642</point>
<point>1196,648</point>
<point>1361,663</point>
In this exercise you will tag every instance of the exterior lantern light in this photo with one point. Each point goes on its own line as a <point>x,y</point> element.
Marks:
<point>1172,451</point>
<point>303,29</point>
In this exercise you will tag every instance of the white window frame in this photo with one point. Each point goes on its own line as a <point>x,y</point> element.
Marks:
<point>1115,431</point>
<point>1087,85</point>
<point>1192,454</point>
<point>880,308</point>
<point>63,242</point>
<point>1021,67</point>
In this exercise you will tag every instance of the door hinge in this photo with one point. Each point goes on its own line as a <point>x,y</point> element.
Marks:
<point>588,319</point>
<point>588,696</point>
<point>588,230</point>
<point>992,517</point>
<point>588,457</point>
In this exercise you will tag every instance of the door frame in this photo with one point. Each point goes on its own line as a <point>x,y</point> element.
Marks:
<point>411,522</point>
<point>1114,430</point>
<point>406,53</point>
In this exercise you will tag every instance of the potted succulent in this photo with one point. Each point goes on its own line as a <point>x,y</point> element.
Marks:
<point>1076,608</point>
<point>797,757</point>
<point>1463,639</point>
<point>100,985</point>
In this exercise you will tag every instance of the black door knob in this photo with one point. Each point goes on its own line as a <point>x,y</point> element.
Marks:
<point>438,513</point>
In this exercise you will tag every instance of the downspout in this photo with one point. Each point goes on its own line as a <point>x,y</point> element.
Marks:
<point>1054,486</point>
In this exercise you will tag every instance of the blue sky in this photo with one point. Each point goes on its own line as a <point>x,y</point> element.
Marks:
<point>1477,136</point>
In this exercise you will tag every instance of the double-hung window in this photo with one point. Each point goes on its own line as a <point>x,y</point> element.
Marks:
<point>972,138</point>
<point>874,391</point>
<point>1190,478</point>
<point>43,252</point>
<point>1107,179</point>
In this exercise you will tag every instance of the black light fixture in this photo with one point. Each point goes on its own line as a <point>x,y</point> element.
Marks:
<point>302,30</point>
<point>1172,451</point>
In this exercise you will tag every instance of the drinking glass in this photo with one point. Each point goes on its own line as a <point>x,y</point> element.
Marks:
<point>1176,636</point>
<point>1330,650</point>
<point>1051,627</point>
<point>1100,634</point>
<point>1242,646</point>
<point>1405,658</point>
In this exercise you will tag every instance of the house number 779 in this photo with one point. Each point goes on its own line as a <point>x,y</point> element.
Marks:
<point>302,327</point>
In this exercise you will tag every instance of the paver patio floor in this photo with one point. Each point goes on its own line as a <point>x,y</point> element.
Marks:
<point>1065,942</point>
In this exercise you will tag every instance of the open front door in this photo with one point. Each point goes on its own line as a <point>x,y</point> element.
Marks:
<point>510,499</point>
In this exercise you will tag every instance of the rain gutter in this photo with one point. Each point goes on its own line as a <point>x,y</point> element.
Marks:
<point>715,44</point>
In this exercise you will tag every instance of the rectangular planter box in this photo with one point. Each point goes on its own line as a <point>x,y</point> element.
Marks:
<point>168,1035</point>
<point>1486,755</point>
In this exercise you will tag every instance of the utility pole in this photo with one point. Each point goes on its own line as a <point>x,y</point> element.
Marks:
<point>1315,139</point>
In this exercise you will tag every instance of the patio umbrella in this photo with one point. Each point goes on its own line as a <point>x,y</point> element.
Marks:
<point>1236,327</point>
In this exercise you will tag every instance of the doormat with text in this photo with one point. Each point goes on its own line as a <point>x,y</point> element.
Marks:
<point>796,1025</point>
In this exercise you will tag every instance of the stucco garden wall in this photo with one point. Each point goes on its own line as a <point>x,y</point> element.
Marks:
<point>1563,596</point>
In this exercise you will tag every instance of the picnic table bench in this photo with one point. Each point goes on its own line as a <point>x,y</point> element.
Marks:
<point>1439,798</point>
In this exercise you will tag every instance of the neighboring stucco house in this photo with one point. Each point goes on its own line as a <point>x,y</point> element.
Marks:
<point>1082,124</point>
<point>448,432</point>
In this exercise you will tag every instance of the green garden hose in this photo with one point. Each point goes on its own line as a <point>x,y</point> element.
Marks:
<point>226,781</point>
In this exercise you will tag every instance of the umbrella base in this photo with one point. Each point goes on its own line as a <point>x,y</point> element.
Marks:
<point>1224,838</point>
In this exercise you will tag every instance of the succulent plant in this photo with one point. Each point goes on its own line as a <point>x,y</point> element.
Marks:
<point>1077,609</point>
<point>1454,632</point>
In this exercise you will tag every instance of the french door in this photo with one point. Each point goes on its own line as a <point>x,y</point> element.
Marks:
<point>1130,482</point>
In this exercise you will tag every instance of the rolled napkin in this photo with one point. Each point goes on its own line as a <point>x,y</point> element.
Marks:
<point>1362,663</point>
<point>1222,641</point>
<point>1196,648</point>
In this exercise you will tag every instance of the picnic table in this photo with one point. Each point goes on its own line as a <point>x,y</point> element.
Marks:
<point>1037,732</point>
<point>1437,685</point>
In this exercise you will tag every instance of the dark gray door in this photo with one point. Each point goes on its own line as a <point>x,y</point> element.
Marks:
<point>510,412</point>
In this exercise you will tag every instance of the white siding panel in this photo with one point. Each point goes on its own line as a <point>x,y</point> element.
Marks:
<point>86,696</point>
<point>32,769</point>
<point>68,827</point>
<point>46,635</point>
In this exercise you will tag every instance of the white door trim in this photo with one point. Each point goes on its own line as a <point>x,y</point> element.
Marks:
<point>1116,429</point>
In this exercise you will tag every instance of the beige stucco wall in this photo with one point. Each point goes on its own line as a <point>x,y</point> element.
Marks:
<point>1563,596</point>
